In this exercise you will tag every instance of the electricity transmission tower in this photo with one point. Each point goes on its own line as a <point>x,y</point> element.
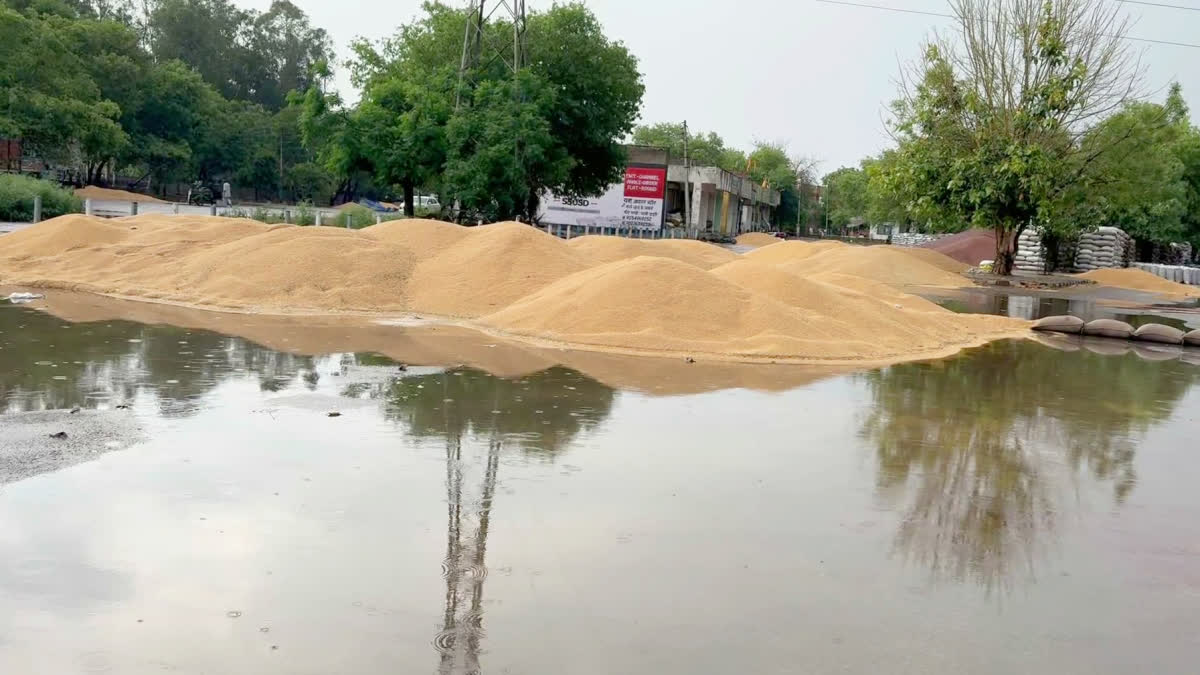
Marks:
<point>480,50</point>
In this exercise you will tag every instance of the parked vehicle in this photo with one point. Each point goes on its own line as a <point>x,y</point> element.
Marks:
<point>200,194</point>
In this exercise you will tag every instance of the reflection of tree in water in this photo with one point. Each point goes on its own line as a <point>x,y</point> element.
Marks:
<point>541,412</point>
<point>476,414</point>
<point>48,363</point>
<point>971,432</point>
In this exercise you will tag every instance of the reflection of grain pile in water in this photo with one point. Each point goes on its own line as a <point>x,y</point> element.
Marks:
<point>1139,280</point>
<point>602,249</point>
<point>109,194</point>
<point>887,264</point>
<point>660,304</point>
<point>423,237</point>
<point>489,268</point>
<point>757,239</point>
<point>823,301</point>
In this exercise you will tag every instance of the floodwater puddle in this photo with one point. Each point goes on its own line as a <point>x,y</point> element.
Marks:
<point>1085,302</point>
<point>486,508</point>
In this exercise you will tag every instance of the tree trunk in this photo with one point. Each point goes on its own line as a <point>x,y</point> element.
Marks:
<point>409,207</point>
<point>1006,249</point>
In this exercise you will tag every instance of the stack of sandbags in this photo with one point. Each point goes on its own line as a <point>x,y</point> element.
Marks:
<point>1107,247</point>
<point>914,238</point>
<point>1179,254</point>
<point>1031,255</point>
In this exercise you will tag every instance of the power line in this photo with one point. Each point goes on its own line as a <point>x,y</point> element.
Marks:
<point>1158,4</point>
<point>889,9</point>
<point>1192,45</point>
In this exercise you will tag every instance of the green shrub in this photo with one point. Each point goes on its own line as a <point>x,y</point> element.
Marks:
<point>17,193</point>
<point>360,217</point>
<point>305,214</point>
<point>266,216</point>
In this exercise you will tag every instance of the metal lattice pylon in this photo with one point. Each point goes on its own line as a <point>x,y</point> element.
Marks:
<point>480,52</point>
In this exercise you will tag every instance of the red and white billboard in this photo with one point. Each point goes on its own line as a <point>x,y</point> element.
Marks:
<point>637,203</point>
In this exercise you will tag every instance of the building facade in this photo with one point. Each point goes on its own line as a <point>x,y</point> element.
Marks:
<point>724,204</point>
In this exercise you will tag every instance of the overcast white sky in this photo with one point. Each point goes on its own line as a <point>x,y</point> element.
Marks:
<point>812,75</point>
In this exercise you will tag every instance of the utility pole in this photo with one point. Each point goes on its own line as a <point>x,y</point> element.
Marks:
<point>481,50</point>
<point>825,202</point>
<point>687,180</point>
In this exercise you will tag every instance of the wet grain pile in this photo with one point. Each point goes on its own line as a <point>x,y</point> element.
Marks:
<point>820,301</point>
<point>109,194</point>
<point>1140,280</point>
<point>757,239</point>
<point>612,249</point>
<point>886,264</point>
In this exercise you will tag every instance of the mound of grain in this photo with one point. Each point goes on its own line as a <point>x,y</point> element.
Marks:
<point>601,250</point>
<point>519,279</point>
<point>298,268</point>
<point>648,304</point>
<point>63,234</point>
<point>490,268</point>
<point>970,247</point>
<point>109,194</point>
<point>1138,280</point>
<point>149,229</point>
<point>871,309</point>
<point>757,239</point>
<point>878,290</point>
<point>887,264</point>
<point>657,304</point>
<point>788,288</point>
<point>423,237</point>
<point>791,251</point>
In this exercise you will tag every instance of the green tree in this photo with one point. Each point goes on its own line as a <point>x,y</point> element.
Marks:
<point>281,49</point>
<point>52,102</point>
<point>1137,185</point>
<point>404,124</point>
<point>846,196</point>
<point>502,152</point>
<point>1188,152</point>
<point>244,54</point>
<point>987,148</point>
<point>770,165</point>
<point>703,149</point>
<point>597,97</point>
<point>558,129</point>
<point>334,134</point>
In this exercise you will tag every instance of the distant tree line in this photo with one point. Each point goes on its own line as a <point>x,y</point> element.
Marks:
<point>163,90</point>
<point>168,91</point>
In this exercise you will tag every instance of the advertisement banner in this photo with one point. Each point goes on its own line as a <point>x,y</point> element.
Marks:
<point>636,203</point>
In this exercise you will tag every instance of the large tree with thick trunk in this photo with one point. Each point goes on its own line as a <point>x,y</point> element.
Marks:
<point>990,121</point>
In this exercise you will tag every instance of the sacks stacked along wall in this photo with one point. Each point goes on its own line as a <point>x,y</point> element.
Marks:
<point>1107,247</point>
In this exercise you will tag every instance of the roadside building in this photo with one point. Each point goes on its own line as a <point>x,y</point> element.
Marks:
<point>653,196</point>
<point>724,204</point>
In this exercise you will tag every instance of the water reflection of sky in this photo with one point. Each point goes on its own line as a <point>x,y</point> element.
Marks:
<point>1015,504</point>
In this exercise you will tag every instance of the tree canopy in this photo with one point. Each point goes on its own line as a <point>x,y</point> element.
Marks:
<point>493,140</point>
<point>166,90</point>
<point>991,127</point>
